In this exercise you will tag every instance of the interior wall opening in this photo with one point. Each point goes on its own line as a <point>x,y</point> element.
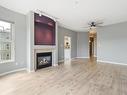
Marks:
<point>93,45</point>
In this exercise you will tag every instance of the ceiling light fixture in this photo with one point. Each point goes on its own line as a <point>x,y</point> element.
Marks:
<point>76,2</point>
<point>40,12</point>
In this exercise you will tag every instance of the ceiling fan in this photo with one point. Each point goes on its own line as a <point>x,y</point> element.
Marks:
<point>94,24</point>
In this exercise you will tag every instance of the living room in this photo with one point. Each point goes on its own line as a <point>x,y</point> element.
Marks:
<point>53,49</point>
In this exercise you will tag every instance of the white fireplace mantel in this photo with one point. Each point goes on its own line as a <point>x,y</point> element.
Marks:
<point>33,49</point>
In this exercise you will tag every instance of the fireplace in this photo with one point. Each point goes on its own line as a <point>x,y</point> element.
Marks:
<point>44,59</point>
<point>42,44</point>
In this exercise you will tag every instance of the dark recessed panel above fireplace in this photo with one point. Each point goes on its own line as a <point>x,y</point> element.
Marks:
<point>44,60</point>
<point>44,30</point>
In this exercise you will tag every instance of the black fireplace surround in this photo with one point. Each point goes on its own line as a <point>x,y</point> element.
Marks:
<point>44,59</point>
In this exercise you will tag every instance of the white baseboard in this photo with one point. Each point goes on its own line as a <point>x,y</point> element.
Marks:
<point>64,60</point>
<point>55,65</point>
<point>30,71</point>
<point>73,58</point>
<point>13,71</point>
<point>82,57</point>
<point>110,62</point>
<point>61,61</point>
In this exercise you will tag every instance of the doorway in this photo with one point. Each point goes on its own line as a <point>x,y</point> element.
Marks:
<point>92,45</point>
<point>67,48</point>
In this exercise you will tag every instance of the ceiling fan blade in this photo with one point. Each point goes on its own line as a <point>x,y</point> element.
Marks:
<point>86,27</point>
<point>99,26</point>
<point>99,22</point>
<point>89,23</point>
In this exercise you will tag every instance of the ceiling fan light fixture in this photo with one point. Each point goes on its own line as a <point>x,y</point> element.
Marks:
<point>93,27</point>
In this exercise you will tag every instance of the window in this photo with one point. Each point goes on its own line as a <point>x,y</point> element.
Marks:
<point>6,42</point>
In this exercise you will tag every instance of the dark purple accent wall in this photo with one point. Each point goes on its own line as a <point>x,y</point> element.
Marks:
<point>44,33</point>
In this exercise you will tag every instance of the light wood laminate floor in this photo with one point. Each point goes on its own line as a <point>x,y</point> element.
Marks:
<point>78,77</point>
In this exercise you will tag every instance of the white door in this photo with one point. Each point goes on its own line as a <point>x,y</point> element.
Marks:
<point>67,48</point>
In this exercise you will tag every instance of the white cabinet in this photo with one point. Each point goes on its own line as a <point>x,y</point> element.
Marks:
<point>67,55</point>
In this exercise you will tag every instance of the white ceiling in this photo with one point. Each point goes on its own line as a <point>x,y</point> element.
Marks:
<point>74,14</point>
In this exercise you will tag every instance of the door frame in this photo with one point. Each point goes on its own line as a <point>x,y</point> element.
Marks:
<point>66,49</point>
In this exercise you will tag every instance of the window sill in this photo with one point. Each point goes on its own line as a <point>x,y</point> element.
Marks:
<point>7,61</point>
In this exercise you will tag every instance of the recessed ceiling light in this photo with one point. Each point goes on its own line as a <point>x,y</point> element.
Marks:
<point>76,2</point>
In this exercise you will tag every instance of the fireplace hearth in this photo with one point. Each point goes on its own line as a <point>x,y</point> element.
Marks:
<point>44,59</point>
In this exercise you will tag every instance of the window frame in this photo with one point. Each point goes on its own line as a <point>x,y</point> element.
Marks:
<point>12,42</point>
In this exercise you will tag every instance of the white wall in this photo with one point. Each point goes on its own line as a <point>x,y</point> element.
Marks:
<point>66,32</point>
<point>82,44</point>
<point>112,43</point>
<point>20,39</point>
